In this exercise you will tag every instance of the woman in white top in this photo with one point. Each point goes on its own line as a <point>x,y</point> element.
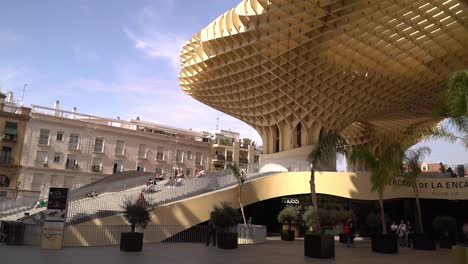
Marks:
<point>393,227</point>
<point>401,232</point>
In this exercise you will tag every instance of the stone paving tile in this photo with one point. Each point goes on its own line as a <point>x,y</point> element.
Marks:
<point>272,252</point>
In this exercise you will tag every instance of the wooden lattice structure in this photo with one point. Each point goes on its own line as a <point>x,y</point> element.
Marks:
<point>367,69</point>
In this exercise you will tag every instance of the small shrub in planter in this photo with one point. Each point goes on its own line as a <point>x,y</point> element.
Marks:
<point>137,214</point>
<point>423,241</point>
<point>225,217</point>
<point>289,215</point>
<point>446,228</point>
<point>387,244</point>
<point>319,245</point>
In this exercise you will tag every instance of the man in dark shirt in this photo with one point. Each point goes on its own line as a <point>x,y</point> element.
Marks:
<point>211,232</point>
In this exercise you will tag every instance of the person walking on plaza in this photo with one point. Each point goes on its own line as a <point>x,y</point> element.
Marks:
<point>349,231</point>
<point>211,232</point>
<point>409,233</point>
<point>401,233</point>
<point>394,228</point>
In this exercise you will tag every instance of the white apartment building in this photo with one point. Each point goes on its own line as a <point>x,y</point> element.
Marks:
<point>227,147</point>
<point>66,148</point>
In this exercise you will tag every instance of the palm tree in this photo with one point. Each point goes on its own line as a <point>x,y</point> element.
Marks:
<point>413,159</point>
<point>454,110</point>
<point>384,165</point>
<point>324,151</point>
<point>240,177</point>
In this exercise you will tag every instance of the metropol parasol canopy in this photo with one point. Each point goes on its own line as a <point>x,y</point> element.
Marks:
<point>293,68</point>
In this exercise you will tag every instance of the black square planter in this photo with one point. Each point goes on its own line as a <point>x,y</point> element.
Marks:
<point>423,241</point>
<point>287,235</point>
<point>131,242</point>
<point>227,240</point>
<point>446,243</point>
<point>319,246</point>
<point>343,239</point>
<point>387,244</point>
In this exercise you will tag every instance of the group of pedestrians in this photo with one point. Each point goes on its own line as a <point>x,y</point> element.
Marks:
<point>403,231</point>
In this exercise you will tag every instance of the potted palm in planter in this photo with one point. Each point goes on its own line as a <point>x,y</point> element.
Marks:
<point>384,164</point>
<point>446,228</point>
<point>413,159</point>
<point>225,218</point>
<point>289,215</point>
<point>318,244</point>
<point>137,214</point>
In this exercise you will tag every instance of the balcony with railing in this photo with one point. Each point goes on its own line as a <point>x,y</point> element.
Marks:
<point>198,162</point>
<point>223,142</point>
<point>73,145</point>
<point>96,168</point>
<point>143,154</point>
<point>71,166</point>
<point>160,156</point>
<point>244,160</point>
<point>219,157</point>
<point>120,152</point>
<point>9,138</point>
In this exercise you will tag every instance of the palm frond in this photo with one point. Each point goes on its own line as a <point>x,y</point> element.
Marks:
<point>413,159</point>
<point>326,148</point>
<point>456,94</point>
<point>235,170</point>
<point>384,165</point>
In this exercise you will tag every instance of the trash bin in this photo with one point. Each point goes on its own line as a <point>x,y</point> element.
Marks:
<point>14,232</point>
<point>460,254</point>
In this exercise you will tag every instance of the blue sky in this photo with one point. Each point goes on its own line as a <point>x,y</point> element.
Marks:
<point>118,58</point>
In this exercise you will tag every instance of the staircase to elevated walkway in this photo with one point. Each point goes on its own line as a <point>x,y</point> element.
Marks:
<point>14,210</point>
<point>182,212</point>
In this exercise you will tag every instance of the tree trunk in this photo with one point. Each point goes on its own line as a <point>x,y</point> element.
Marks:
<point>382,213</point>
<point>132,228</point>
<point>418,208</point>
<point>313,195</point>
<point>240,202</point>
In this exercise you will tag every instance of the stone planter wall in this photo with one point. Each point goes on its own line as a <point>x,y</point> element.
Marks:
<point>252,234</point>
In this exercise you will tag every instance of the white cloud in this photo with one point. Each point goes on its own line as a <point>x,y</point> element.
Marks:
<point>149,36</point>
<point>159,45</point>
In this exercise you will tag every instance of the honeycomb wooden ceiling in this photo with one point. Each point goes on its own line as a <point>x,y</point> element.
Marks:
<point>328,63</point>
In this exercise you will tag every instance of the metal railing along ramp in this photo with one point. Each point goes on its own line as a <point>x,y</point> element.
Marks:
<point>109,204</point>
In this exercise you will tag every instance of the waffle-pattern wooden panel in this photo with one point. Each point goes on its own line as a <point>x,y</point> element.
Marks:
<point>362,68</point>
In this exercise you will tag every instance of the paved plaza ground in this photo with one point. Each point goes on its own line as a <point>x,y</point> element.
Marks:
<point>274,251</point>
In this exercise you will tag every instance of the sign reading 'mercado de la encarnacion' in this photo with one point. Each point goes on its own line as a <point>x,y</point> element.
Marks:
<point>438,188</point>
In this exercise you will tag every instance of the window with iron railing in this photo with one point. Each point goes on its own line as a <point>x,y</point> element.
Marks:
<point>99,145</point>
<point>97,165</point>
<point>142,151</point>
<point>120,148</point>
<point>5,155</point>
<point>160,154</point>
<point>74,141</point>
<point>72,163</point>
<point>44,137</point>
<point>140,167</point>
<point>198,158</point>
<point>179,156</point>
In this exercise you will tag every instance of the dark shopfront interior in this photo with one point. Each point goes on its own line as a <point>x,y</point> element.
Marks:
<point>265,212</point>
